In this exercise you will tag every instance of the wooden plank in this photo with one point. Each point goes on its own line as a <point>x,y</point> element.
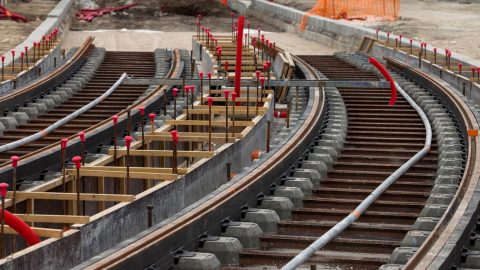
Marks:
<point>252,91</point>
<point>239,99</point>
<point>54,218</point>
<point>132,169</point>
<point>164,174</point>
<point>166,153</point>
<point>188,138</point>
<point>71,196</point>
<point>215,123</point>
<point>42,232</point>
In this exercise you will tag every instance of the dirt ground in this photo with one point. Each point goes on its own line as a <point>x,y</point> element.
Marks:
<point>142,28</point>
<point>442,24</point>
<point>13,33</point>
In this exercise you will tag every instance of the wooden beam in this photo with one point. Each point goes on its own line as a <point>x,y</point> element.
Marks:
<point>41,232</point>
<point>165,153</point>
<point>216,123</point>
<point>71,196</point>
<point>54,218</point>
<point>164,174</point>
<point>240,99</point>
<point>253,92</point>
<point>195,138</point>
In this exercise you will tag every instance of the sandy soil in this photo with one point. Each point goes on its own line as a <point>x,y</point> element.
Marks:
<point>147,40</point>
<point>443,24</point>
<point>13,33</point>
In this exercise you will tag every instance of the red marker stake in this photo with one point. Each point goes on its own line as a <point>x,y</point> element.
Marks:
<point>210,103</point>
<point>115,121</point>
<point>81,135</point>
<point>13,62</point>
<point>226,92</point>
<point>234,96</point>
<point>141,111</point>
<point>238,62</point>
<point>3,193</point>
<point>63,146</point>
<point>128,143</point>
<point>78,164</point>
<point>152,123</point>
<point>174,134</point>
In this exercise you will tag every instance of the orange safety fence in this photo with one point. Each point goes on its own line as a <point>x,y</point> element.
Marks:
<point>354,10</point>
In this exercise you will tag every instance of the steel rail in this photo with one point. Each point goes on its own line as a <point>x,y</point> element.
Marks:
<point>53,77</point>
<point>64,120</point>
<point>243,185</point>
<point>5,168</point>
<point>458,207</point>
<point>305,255</point>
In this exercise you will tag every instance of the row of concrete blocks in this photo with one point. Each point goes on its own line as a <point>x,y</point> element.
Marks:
<point>55,97</point>
<point>450,165</point>
<point>225,249</point>
<point>163,59</point>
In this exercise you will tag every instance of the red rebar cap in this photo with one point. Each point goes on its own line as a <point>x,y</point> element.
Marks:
<point>63,143</point>
<point>226,65</point>
<point>268,64</point>
<point>3,58</point>
<point>258,74</point>
<point>473,70</point>
<point>187,89</point>
<point>43,37</point>
<point>115,119</point>
<point>3,189</point>
<point>435,50</point>
<point>14,160</point>
<point>22,54</point>
<point>225,93</point>
<point>200,74</point>
<point>478,69</point>
<point>78,161</point>
<point>262,81</point>
<point>388,34</point>
<point>400,36</point>
<point>175,92</point>
<point>263,38</point>
<point>234,96</point>
<point>13,52</point>
<point>209,75</point>
<point>128,141</point>
<point>265,67</point>
<point>81,134</point>
<point>26,48</point>
<point>141,110</point>
<point>210,101</point>
<point>279,114</point>
<point>152,117</point>
<point>460,65</point>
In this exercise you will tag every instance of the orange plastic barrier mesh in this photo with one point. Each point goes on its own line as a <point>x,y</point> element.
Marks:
<point>354,9</point>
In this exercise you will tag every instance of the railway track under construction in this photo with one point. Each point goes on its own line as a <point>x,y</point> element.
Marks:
<point>414,160</point>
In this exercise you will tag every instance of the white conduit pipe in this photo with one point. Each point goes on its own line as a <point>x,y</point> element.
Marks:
<point>63,121</point>
<point>303,256</point>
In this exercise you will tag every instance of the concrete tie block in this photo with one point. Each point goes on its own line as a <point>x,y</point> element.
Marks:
<point>442,199</point>
<point>32,112</point>
<point>319,166</point>
<point>199,261</point>
<point>282,205</point>
<point>247,233</point>
<point>391,267</point>
<point>433,210</point>
<point>267,219</point>
<point>226,249</point>
<point>444,148</point>
<point>450,154</point>
<point>22,118</point>
<point>473,259</point>
<point>449,171</point>
<point>48,102</point>
<point>414,238</point>
<point>326,150</point>
<point>444,189</point>
<point>9,122</point>
<point>450,162</point>
<point>303,183</point>
<point>447,179</point>
<point>425,224</point>
<point>41,107</point>
<point>311,174</point>
<point>295,195</point>
<point>401,255</point>
<point>325,158</point>
<point>56,98</point>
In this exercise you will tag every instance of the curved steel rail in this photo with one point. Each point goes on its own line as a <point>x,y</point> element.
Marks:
<point>74,143</point>
<point>336,230</point>
<point>18,96</point>
<point>243,185</point>
<point>64,120</point>
<point>458,207</point>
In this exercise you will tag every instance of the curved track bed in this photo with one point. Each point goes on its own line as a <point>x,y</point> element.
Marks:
<point>380,139</point>
<point>136,64</point>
